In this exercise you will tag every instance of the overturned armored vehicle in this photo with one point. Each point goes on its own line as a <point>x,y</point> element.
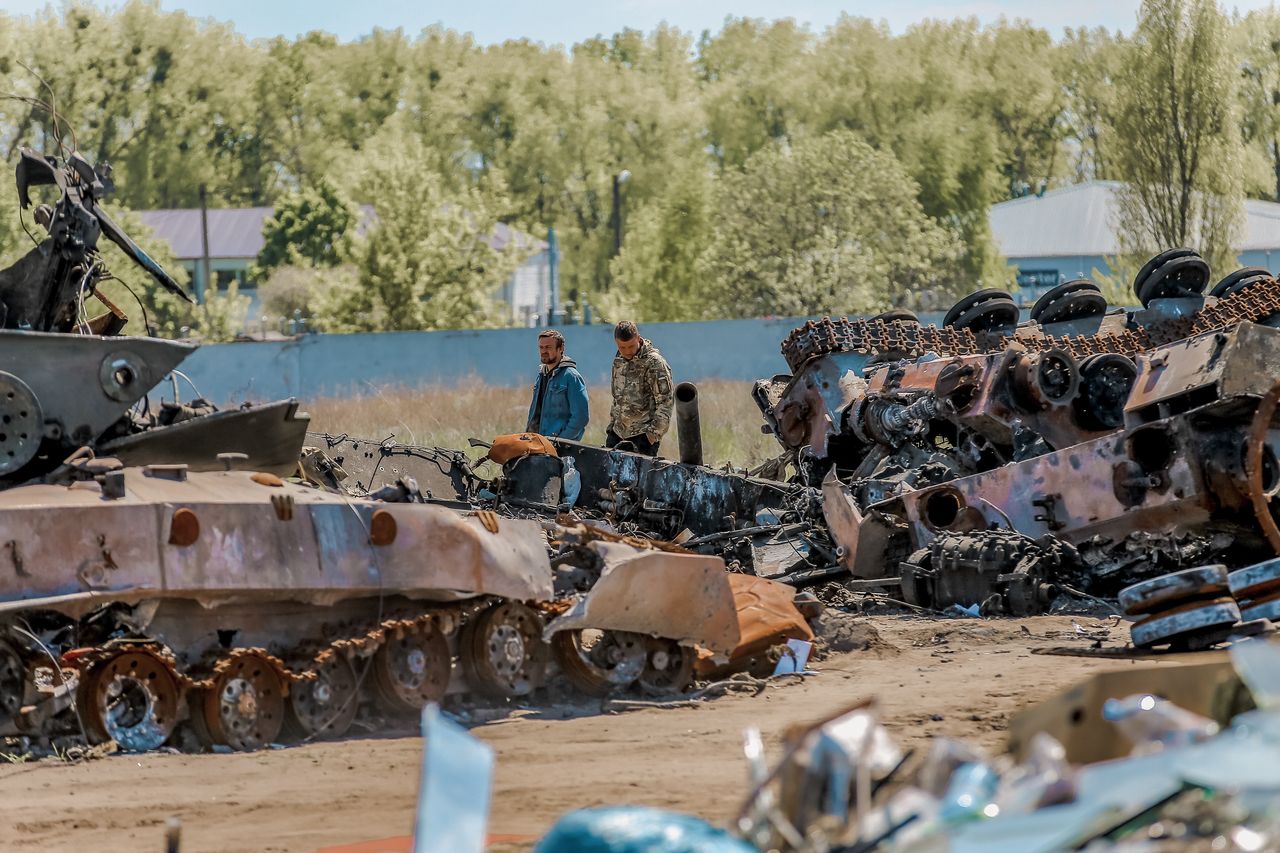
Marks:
<point>987,461</point>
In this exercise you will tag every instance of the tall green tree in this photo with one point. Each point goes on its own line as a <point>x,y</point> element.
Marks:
<point>827,225</point>
<point>309,227</point>
<point>1087,64</point>
<point>429,260</point>
<point>657,277</point>
<point>1181,156</point>
<point>1258,37</point>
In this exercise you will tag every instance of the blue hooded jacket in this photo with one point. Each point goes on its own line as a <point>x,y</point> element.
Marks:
<point>564,409</point>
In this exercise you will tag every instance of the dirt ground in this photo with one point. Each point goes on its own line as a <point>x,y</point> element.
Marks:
<point>963,677</point>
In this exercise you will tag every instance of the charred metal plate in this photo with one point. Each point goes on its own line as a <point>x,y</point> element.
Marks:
<point>1182,624</point>
<point>271,435</point>
<point>58,541</point>
<point>1189,373</point>
<point>1255,581</point>
<point>1069,494</point>
<point>63,371</point>
<point>1150,596</point>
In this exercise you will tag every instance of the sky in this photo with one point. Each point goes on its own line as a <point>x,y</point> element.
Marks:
<point>569,21</point>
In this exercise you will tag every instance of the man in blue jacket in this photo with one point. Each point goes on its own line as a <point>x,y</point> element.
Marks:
<point>559,407</point>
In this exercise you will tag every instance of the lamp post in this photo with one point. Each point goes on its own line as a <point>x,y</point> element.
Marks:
<point>618,180</point>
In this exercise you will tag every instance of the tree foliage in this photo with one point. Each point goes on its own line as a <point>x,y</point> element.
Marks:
<point>308,227</point>
<point>1182,152</point>
<point>829,224</point>
<point>431,256</point>
<point>534,135</point>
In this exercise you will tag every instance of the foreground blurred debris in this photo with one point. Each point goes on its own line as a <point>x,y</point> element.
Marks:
<point>1168,778</point>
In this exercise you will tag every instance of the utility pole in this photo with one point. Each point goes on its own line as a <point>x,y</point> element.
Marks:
<point>553,276</point>
<point>619,179</point>
<point>204,243</point>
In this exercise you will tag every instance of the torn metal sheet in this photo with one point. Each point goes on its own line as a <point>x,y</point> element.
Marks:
<point>684,597</point>
<point>767,616</point>
<point>1204,683</point>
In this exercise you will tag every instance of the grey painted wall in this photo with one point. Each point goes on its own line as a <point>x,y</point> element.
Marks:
<point>338,365</point>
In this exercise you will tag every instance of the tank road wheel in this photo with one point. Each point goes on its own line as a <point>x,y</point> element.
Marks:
<point>131,698</point>
<point>326,706</point>
<point>1239,280</point>
<point>13,678</point>
<point>244,709</point>
<point>1075,300</point>
<point>1171,274</point>
<point>600,662</point>
<point>411,669</point>
<point>989,310</point>
<point>502,651</point>
<point>668,667</point>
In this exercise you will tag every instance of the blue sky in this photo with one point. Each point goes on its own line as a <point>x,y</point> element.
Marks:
<point>567,21</point>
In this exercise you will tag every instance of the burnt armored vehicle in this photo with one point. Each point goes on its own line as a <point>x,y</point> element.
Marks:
<point>974,463</point>
<point>158,569</point>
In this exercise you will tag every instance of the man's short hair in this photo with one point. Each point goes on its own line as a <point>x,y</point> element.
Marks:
<point>625,331</point>
<point>553,334</point>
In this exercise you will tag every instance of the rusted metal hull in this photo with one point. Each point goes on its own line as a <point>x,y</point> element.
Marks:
<point>277,541</point>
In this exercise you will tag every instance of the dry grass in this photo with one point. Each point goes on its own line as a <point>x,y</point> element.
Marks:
<point>446,416</point>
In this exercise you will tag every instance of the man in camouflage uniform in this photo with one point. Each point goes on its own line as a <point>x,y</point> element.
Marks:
<point>642,396</point>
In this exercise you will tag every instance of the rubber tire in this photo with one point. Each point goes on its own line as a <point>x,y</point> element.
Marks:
<point>989,315</point>
<point>1239,280</point>
<point>897,315</point>
<point>1162,258</point>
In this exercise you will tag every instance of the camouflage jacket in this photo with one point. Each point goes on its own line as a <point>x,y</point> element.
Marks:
<point>642,395</point>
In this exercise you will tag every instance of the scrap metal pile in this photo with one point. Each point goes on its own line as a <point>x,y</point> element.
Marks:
<point>987,462</point>
<point>997,463</point>
<point>170,580</point>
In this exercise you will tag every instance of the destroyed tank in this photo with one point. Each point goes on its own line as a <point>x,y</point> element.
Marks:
<point>158,569</point>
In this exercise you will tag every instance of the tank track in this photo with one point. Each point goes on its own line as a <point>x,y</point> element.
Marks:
<point>362,642</point>
<point>358,643</point>
<point>908,340</point>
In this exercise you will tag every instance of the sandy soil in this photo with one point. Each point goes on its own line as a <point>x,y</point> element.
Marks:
<point>955,677</point>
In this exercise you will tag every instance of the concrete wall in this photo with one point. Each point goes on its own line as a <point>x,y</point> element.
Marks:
<point>329,365</point>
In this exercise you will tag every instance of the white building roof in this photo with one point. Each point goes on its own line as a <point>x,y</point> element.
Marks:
<point>1080,220</point>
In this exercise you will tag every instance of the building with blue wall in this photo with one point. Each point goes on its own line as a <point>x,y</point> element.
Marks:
<point>1070,232</point>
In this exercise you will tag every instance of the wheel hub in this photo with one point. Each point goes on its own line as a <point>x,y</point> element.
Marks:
<point>244,709</point>
<point>327,705</point>
<point>412,669</point>
<point>503,652</point>
<point>508,648</point>
<point>239,703</point>
<point>416,661</point>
